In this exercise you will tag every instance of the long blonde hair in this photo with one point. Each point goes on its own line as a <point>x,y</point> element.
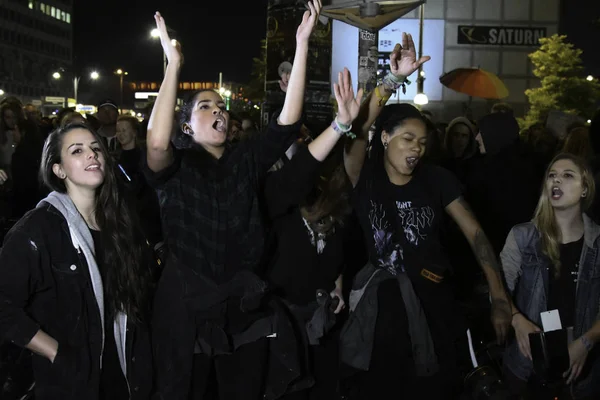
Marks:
<point>544,218</point>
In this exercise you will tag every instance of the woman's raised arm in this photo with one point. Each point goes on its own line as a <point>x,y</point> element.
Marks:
<point>160,125</point>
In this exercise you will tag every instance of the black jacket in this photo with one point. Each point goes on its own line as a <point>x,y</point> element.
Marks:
<point>45,284</point>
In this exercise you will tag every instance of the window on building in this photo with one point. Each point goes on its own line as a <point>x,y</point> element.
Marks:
<point>68,18</point>
<point>31,5</point>
<point>52,11</point>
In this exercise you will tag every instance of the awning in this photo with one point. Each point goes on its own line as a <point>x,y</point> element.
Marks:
<point>371,15</point>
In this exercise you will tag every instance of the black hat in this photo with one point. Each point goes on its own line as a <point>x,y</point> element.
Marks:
<point>107,102</point>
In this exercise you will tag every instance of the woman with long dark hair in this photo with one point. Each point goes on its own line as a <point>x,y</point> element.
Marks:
<point>76,279</point>
<point>550,264</point>
<point>308,203</point>
<point>405,330</point>
<point>208,312</point>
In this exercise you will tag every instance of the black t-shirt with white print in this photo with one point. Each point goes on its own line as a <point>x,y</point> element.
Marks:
<point>418,208</point>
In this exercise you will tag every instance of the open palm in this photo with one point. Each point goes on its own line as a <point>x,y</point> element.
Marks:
<point>348,104</point>
<point>403,60</point>
<point>172,51</point>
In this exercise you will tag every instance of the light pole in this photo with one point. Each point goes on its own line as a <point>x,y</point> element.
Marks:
<point>227,94</point>
<point>94,75</point>
<point>155,34</point>
<point>421,98</point>
<point>121,73</point>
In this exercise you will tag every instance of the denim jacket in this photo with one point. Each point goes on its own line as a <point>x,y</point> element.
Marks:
<point>44,284</point>
<point>526,271</point>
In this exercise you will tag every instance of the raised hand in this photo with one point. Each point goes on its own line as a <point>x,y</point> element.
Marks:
<point>403,60</point>
<point>348,104</point>
<point>172,51</point>
<point>309,21</point>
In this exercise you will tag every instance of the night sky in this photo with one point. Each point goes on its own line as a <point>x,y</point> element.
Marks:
<point>581,23</point>
<point>225,36</point>
<point>216,36</point>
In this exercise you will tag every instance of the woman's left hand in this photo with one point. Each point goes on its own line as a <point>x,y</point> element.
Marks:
<point>337,292</point>
<point>577,356</point>
<point>348,104</point>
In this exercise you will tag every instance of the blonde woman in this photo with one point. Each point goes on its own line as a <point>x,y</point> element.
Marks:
<point>551,263</point>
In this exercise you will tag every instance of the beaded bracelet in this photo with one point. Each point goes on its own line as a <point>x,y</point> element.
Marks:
<point>393,82</point>
<point>342,129</point>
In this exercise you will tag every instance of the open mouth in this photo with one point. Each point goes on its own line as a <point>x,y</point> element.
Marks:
<point>556,193</point>
<point>93,167</point>
<point>412,161</point>
<point>219,125</point>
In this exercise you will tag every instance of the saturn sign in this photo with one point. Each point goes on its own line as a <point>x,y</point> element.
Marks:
<point>500,35</point>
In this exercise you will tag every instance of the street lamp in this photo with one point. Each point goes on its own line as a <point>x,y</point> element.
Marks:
<point>227,94</point>
<point>1,92</point>
<point>155,34</point>
<point>421,98</point>
<point>121,73</point>
<point>94,75</point>
<point>56,75</point>
<point>590,78</point>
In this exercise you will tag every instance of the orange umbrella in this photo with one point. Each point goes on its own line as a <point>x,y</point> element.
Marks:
<point>475,82</point>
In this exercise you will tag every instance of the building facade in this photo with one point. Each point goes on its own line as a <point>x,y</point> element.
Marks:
<point>36,40</point>
<point>496,35</point>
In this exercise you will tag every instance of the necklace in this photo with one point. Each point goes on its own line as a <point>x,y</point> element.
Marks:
<point>317,239</point>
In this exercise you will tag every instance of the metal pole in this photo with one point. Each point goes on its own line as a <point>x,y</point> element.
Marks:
<point>121,85</point>
<point>75,87</point>
<point>368,56</point>
<point>220,80</point>
<point>421,23</point>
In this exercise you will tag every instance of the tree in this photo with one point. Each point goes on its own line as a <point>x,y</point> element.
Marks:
<point>563,87</point>
<point>256,87</point>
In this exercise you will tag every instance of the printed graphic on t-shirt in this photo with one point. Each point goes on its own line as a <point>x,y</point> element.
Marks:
<point>415,221</point>
<point>389,253</point>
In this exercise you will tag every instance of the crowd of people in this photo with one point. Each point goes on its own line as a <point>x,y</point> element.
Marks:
<point>193,257</point>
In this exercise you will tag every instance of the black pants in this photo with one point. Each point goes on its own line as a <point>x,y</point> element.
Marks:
<point>391,372</point>
<point>238,376</point>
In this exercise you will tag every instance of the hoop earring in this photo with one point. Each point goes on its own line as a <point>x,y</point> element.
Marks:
<point>189,128</point>
<point>385,145</point>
